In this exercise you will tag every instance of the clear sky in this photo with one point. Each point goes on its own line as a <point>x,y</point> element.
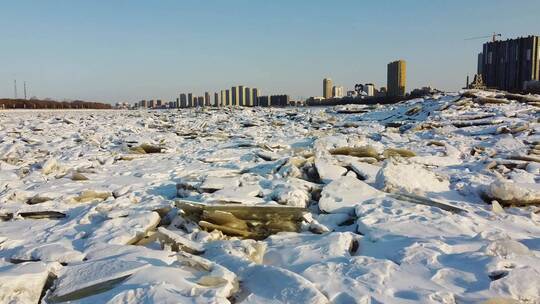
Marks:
<point>119,50</point>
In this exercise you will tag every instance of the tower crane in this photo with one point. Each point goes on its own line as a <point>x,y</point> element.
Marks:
<point>492,36</point>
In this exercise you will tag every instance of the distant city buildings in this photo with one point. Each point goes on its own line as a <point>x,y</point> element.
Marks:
<point>183,100</point>
<point>337,91</point>
<point>235,92</point>
<point>396,78</point>
<point>228,98</point>
<point>248,101</point>
<point>235,96</point>
<point>369,89</point>
<point>327,88</point>
<point>190,100</point>
<point>510,65</point>
<point>254,96</point>
<point>206,99</point>
<point>279,100</point>
<point>241,96</point>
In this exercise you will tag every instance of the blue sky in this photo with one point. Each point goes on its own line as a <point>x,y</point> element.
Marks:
<point>118,50</point>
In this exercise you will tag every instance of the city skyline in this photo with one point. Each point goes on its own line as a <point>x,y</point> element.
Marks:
<point>115,52</point>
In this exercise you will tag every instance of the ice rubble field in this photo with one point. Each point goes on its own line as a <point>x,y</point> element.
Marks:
<point>88,216</point>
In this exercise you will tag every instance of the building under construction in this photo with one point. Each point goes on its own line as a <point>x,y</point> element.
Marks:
<point>508,65</point>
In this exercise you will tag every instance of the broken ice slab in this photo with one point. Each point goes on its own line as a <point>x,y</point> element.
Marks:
<point>124,230</point>
<point>76,176</point>
<point>286,287</point>
<point>90,195</point>
<point>89,278</point>
<point>416,199</point>
<point>42,215</point>
<point>178,242</point>
<point>49,252</point>
<point>23,283</point>
<point>248,221</point>
<point>366,151</point>
<point>394,152</point>
<point>513,194</point>
<point>146,149</point>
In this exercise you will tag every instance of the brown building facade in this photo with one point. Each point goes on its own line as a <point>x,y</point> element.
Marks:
<point>397,78</point>
<point>507,65</point>
<point>327,88</point>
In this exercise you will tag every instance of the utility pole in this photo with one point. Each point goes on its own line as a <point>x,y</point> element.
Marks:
<point>25,90</point>
<point>15,88</point>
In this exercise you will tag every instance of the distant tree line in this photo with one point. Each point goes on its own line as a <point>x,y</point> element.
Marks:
<point>50,104</point>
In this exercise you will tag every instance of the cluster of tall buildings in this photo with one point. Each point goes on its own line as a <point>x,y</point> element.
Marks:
<point>243,96</point>
<point>396,85</point>
<point>240,96</point>
<point>510,65</point>
<point>330,90</point>
<point>235,96</point>
<point>150,104</point>
<point>189,100</point>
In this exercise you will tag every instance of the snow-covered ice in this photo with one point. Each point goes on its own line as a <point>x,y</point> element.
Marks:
<point>88,213</point>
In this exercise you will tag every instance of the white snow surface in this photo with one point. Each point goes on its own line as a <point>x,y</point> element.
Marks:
<point>358,243</point>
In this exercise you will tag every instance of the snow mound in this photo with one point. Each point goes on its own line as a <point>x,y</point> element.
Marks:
<point>344,193</point>
<point>510,193</point>
<point>409,177</point>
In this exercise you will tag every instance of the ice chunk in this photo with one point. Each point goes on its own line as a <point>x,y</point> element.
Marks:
<point>341,195</point>
<point>507,248</point>
<point>124,230</point>
<point>521,283</point>
<point>411,178</point>
<point>295,252</point>
<point>269,284</point>
<point>89,278</point>
<point>22,283</point>
<point>328,171</point>
<point>509,193</point>
<point>53,252</point>
<point>179,242</point>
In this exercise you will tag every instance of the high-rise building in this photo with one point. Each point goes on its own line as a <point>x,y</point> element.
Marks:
<point>279,100</point>
<point>369,89</point>
<point>228,98</point>
<point>248,97</point>
<point>235,95</point>
<point>190,100</point>
<point>337,92</point>
<point>254,96</point>
<point>223,99</point>
<point>508,65</point>
<point>143,104</point>
<point>241,96</point>
<point>206,99</point>
<point>263,101</point>
<point>159,103</point>
<point>216,99</point>
<point>200,101</point>
<point>151,103</point>
<point>327,88</point>
<point>397,78</point>
<point>183,100</point>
